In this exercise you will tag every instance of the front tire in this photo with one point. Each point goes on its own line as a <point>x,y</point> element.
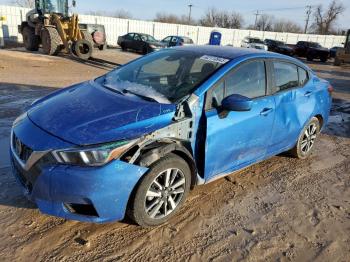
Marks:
<point>161,192</point>
<point>51,41</point>
<point>306,139</point>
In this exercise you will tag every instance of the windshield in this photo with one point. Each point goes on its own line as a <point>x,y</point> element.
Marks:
<point>164,76</point>
<point>52,6</point>
<point>148,38</point>
<point>255,40</point>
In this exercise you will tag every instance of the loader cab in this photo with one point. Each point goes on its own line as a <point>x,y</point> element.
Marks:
<point>53,6</point>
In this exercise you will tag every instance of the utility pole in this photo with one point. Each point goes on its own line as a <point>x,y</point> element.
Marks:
<point>308,13</point>
<point>256,18</point>
<point>189,14</point>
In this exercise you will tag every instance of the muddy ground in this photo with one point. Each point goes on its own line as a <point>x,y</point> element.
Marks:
<point>281,209</point>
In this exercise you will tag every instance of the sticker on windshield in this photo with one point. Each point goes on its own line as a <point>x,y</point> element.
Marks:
<point>214,59</point>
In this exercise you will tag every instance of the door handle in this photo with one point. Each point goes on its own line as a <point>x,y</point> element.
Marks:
<point>266,111</point>
<point>308,93</point>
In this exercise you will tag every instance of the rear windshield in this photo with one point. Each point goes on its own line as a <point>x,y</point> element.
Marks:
<point>148,38</point>
<point>255,40</point>
<point>165,76</point>
<point>312,44</point>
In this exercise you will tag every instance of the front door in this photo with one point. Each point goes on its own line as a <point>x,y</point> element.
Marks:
<point>236,139</point>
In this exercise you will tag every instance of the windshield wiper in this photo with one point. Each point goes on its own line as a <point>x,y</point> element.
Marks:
<point>139,95</point>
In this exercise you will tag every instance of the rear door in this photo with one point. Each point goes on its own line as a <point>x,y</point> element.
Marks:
<point>236,139</point>
<point>295,100</point>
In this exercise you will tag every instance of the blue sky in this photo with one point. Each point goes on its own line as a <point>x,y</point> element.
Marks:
<point>146,9</point>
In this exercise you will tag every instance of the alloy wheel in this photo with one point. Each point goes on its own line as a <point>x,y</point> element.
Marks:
<point>308,139</point>
<point>165,193</point>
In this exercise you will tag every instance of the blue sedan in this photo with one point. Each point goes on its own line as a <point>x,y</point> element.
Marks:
<point>139,138</point>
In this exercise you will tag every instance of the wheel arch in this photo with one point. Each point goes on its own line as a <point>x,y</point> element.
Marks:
<point>160,149</point>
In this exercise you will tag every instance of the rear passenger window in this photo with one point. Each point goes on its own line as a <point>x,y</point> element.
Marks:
<point>286,75</point>
<point>303,76</point>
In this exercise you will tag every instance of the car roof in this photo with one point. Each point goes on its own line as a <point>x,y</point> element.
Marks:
<point>222,51</point>
<point>236,52</point>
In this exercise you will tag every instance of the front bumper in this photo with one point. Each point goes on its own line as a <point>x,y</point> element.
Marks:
<point>57,188</point>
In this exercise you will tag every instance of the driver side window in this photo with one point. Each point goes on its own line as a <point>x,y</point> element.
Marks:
<point>137,38</point>
<point>248,79</point>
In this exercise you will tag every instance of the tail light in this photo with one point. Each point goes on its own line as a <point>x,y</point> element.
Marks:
<point>330,89</point>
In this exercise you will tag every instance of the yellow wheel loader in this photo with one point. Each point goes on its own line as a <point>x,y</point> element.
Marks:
<point>343,54</point>
<point>51,26</point>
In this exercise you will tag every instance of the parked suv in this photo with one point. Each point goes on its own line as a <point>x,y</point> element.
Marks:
<point>136,140</point>
<point>253,42</point>
<point>311,50</point>
<point>279,47</point>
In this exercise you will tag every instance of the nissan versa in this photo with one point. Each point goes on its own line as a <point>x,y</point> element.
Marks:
<point>137,139</point>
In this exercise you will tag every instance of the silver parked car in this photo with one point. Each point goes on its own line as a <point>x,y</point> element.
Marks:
<point>254,42</point>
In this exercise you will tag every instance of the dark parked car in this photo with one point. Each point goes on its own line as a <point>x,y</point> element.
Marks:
<point>139,42</point>
<point>279,47</point>
<point>172,40</point>
<point>311,51</point>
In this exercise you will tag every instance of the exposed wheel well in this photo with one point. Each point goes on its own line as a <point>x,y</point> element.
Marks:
<point>148,157</point>
<point>320,119</point>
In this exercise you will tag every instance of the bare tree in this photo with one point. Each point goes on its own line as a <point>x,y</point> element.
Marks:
<point>171,19</point>
<point>209,18</point>
<point>119,13</point>
<point>24,3</point>
<point>265,22</point>
<point>325,20</point>
<point>224,19</point>
<point>286,26</point>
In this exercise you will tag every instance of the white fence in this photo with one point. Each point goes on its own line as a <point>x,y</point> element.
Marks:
<point>13,16</point>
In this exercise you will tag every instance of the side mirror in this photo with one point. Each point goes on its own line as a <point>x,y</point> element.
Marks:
<point>74,3</point>
<point>236,103</point>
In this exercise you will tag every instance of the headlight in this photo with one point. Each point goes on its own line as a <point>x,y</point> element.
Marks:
<point>93,156</point>
<point>154,47</point>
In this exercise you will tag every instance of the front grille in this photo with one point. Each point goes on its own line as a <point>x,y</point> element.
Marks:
<point>21,150</point>
<point>28,178</point>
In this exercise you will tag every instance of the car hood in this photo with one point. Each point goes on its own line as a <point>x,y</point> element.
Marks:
<point>88,113</point>
<point>156,43</point>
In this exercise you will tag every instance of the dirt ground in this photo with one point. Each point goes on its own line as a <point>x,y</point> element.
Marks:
<point>281,209</point>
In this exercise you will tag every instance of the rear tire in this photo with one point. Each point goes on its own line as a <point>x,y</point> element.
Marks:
<point>51,41</point>
<point>30,40</point>
<point>123,47</point>
<point>306,139</point>
<point>161,192</point>
<point>102,47</point>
